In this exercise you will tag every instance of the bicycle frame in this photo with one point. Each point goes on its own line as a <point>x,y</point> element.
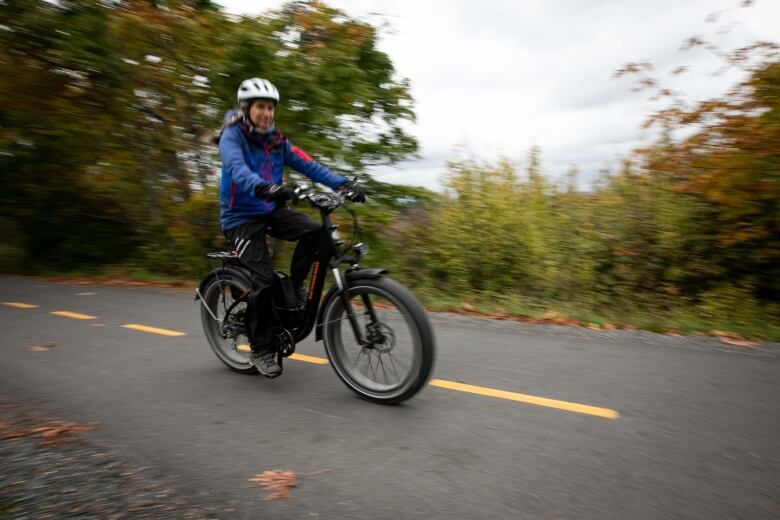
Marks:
<point>330,256</point>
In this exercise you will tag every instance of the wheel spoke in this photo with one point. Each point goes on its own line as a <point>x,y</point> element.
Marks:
<point>360,351</point>
<point>379,356</point>
<point>370,366</point>
<point>375,365</point>
<point>392,364</point>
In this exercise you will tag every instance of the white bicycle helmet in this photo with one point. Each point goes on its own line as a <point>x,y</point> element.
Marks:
<point>257,88</point>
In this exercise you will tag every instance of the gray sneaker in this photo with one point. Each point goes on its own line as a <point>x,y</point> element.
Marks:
<point>265,363</point>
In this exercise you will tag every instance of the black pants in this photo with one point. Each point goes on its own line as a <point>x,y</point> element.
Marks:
<point>249,242</point>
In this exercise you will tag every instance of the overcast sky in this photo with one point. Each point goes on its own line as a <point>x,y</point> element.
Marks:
<point>492,78</point>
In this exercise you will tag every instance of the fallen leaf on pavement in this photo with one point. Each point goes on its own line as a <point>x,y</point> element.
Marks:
<point>277,482</point>
<point>54,433</point>
<point>739,342</point>
<point>280,482</point>
<point>41,347</point>
<point>731,338</point>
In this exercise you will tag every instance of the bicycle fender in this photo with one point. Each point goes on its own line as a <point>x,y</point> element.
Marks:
<point>354,275</point>
<point>242,273</point>
<point>371,274</point>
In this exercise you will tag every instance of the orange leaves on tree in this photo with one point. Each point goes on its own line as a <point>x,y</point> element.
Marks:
<point>633,68</point>
<point>693,41</point>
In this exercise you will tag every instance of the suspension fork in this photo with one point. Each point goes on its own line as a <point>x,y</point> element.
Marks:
<point>331,243</point>
<point>345,300</point>
<point>369,307</point>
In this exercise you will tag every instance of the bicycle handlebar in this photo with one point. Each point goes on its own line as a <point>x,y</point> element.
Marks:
<point>326,201</point>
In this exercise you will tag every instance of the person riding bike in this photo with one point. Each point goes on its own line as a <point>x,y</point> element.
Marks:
<point>253,200</point>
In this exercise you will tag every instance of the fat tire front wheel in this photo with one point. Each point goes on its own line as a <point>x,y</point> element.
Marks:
<point>399,360</point>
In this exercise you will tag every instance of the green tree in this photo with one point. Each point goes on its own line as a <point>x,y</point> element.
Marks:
<point>340,95</point>
<point>107,108</point>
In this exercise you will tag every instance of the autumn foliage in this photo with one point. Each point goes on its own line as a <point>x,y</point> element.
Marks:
<point>108,110</point>
<point>106,159</point>
<point>686,233</point>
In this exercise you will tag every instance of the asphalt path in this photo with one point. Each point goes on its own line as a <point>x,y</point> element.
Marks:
<point>686,428</point>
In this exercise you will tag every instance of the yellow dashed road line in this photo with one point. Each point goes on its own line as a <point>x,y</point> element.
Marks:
<point>74,315</point>
<point>596,411</point>
<point>605,413</point>
<point>309,359</point>
<point>20,305</point>
<point>153,330</point>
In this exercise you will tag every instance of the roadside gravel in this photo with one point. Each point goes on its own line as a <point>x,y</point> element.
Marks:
<point>49,470</point>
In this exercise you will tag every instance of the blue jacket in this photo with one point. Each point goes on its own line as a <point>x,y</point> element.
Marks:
<point>250,159</point>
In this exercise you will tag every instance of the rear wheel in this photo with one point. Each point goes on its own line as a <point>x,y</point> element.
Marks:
<point>226,298</point>
<point>398,358</point>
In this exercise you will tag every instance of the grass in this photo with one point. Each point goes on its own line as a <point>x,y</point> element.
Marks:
<point>119,275</point>
<point>623,315</point>
<point>664,321</point>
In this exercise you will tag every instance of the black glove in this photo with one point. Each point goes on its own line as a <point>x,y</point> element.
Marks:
<point>353,190</point>
<point>277,193</point>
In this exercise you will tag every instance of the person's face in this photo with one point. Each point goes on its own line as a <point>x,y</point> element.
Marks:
<point>262,114</point>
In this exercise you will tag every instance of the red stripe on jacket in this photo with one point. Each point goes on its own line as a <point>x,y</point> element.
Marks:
<point>300,153</point>
<point>232,194</point>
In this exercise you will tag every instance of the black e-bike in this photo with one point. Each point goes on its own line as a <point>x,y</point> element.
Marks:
<point>376,334</point>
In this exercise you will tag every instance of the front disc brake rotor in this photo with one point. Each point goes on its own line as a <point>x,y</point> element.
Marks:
<point>380,337</point>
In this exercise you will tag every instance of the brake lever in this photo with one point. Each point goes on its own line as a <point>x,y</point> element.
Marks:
<point>301,192</point>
